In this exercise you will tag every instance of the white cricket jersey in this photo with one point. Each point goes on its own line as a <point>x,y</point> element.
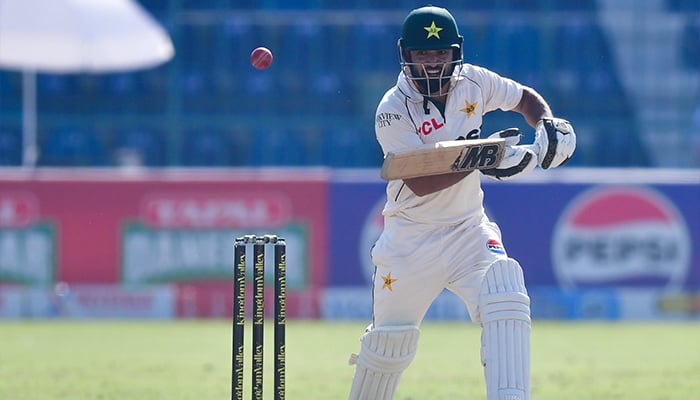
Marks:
<point>404,120</point>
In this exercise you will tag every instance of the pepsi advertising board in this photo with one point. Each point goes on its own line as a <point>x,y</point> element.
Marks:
<point>576,238</point>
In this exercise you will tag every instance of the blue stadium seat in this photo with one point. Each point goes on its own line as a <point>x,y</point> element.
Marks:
<point>10,91</point>
<point>374,46</point>
<point>203,5</point>
<point>621,148</point>
<point>155,6</point>
<point>459,5</point>
<point>10,146</point>
<point>239,37</point>
<point>350,147</point>
<point>294,4</point>
<point>240,146</point>
<point>146,145</point>
<point>10,83</point>
<point>56,84</point>
<point>299,46</point>
<point>580,45</point>
<point>299,61</point>
<point>72,146</point>
<point>277,146</point>
<point>338,4</point>
<point>521,5</point>
<point>513,49</point>
<point>683,6</point>
<point>195,53</point>
<point>524,49</point>
<point>207,147</point>
<point>244,88</point>
<point>690,45</point>
<point>585,74</point>
<point>123,84</point>
<point>572,5</point>
<point>244,4</point>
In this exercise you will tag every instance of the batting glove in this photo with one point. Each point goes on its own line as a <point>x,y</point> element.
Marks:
<point>516,161</point>
<point>556,140</point>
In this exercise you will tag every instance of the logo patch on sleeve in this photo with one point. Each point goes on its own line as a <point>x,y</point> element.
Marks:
<point>495,246</point>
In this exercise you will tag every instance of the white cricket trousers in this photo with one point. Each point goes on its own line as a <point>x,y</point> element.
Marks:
<point>415,262</point>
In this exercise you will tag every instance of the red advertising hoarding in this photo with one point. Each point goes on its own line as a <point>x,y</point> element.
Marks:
<point>173,227</point>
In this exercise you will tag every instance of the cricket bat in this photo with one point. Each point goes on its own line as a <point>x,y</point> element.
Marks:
<point>442,158</point>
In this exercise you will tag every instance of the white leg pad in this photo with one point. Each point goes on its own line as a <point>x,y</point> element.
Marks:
<point>505,339</point>
<point>385,353</point>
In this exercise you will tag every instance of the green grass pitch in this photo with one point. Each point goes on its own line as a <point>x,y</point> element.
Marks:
<point>177,360</point>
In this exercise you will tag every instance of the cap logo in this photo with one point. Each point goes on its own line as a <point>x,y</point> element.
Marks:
<point>433,30</point>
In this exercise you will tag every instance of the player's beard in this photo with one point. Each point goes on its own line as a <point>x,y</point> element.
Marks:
<point>435,85</point>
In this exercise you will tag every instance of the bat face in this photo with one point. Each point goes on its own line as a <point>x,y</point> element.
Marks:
<point>442,158</point>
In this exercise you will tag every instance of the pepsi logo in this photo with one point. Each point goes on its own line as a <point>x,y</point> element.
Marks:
<point>621,236</point>
<point>495,246</point>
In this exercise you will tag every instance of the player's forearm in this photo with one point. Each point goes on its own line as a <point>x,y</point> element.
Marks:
<point>425,185</point>
<point>533,107</point>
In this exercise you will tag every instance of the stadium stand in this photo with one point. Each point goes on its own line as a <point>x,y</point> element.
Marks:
<point>72,146</point>
<point>333,61</point>
<point>10,146</point>
<point>207,148</point>
<point>144,147</point>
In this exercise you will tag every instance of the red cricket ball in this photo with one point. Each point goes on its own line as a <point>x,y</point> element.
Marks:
<point>261,58</point>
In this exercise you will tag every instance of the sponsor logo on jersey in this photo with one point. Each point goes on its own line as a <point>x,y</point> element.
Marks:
<point>385,119</point>
<point>429,126</point>
<point>495,247</point>
<point>621,236</point>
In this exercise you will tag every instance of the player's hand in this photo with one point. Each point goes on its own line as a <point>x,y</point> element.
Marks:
<point>516,161</point>
<point>556,140</point>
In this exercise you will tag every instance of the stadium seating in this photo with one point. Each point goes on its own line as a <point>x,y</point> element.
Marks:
<point>72,147</point>
<point>683,6</point>
<point>690,44</point>
<point>10,146</point>
<point>333,61</point>
<point>348,147</point>
<point>277,146</point>
<point>207,148</point>
<point>144,147</point>
<point>10,91</point>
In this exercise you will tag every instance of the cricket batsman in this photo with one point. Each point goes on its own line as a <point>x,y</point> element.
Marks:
<point>436,234</point>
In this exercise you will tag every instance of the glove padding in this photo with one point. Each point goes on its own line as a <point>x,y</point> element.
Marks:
<point>556,141</point>
<point>516,161</point>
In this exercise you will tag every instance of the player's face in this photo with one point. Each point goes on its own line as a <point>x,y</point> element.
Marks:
<point>433,60</point>
<point>434,67</point>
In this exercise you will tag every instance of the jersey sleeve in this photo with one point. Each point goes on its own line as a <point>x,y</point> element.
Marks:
<point>499,92</point>
<point>393,125</point>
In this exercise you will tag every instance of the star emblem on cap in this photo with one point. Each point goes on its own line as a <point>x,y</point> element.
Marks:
<point>469,108</point>
<point>433,30</point>
<point>388,281</point>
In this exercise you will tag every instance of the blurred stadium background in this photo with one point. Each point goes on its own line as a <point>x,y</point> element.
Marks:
<point>626,73</point>
<point>228,150</point>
